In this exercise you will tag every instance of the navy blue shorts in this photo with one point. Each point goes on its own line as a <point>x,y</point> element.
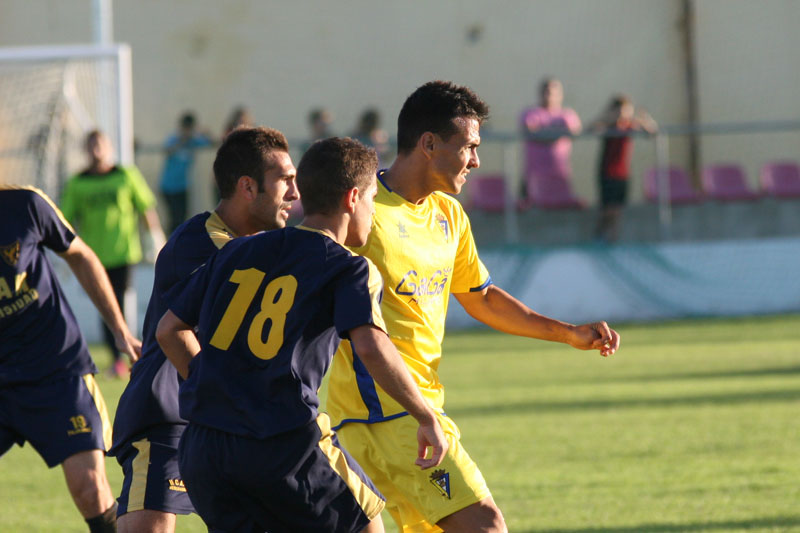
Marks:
<point>59,418</point>
<point>297,481</point>
<point>151,477</point>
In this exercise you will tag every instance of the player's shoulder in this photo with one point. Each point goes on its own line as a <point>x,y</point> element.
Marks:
<point>191,240</point>
<point>22,191</point>
<point>323,247</point>
<point>17,196</point>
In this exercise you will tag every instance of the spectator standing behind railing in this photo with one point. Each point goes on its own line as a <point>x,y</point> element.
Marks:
<point>548,129</point>
<point>319,127</point>
<point>180,150</point>
<point>617,123</point>
<point>240,118</point>
<point>368,131</point>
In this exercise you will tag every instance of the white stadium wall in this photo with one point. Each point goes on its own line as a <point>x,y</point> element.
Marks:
<point>283,58</point>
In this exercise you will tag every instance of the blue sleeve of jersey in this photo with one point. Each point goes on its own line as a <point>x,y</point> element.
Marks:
<point>354,303</point>
<point>186,297</point>
<point>171,141</point>
<point>55,231</point>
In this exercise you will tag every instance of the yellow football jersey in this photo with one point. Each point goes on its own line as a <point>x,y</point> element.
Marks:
<point>424,252</point>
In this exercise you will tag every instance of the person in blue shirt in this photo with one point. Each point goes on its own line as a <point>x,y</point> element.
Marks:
<point>180,148</point>
<point>256,177</point>
<point>269,311</point>
<point>48,395</point>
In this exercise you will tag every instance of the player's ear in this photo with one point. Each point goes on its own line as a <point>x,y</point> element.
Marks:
<point>427,143</point>
<point>350,199</point>
<point>247,186</point>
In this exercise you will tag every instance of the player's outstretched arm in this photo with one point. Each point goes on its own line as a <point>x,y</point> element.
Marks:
<point>93,278</point>
<point>496,308</point>
<point>178,342</point>
<point>386,366</point>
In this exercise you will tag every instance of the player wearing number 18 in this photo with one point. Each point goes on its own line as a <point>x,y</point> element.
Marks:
<point>269,311</point>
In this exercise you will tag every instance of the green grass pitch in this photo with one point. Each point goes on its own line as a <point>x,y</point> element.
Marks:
<point>691,427</point>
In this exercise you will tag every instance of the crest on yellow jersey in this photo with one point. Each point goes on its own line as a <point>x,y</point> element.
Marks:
<point>442,221</point>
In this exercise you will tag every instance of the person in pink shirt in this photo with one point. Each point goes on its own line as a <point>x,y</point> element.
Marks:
<point>548,129</point>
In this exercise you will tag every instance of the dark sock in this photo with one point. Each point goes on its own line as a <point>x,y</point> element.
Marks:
<point>104,523</point>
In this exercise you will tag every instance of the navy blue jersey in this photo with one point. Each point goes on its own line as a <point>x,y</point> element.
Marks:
<point>270,310</point>
<point>39,336</point>
<point>150,401</point>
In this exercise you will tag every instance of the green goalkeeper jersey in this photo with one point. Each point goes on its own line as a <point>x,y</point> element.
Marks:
<point>105,209</point>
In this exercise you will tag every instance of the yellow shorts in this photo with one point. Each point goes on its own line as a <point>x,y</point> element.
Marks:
<point>415,498</point>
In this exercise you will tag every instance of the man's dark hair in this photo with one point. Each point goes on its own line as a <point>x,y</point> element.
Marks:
<point>188,120</point>
<point>432,108</point>
<point>245,153</point>
<point>331,167</point>
<point>620,100</point>
<point>92,136</point>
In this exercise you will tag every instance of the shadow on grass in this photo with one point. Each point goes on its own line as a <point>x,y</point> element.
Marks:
<point>723,525</point>
<point>688,376</point>
<point>628,403</point>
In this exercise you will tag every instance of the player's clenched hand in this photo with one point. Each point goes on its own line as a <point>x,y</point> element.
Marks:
<point>596,336</point>
<point>129,345</point>
<point>430,436</point>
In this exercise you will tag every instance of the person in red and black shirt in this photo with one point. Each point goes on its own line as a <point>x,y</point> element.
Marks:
<point>619,120</point>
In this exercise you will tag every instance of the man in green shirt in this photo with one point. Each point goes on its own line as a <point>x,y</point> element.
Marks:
<point>106,201</point>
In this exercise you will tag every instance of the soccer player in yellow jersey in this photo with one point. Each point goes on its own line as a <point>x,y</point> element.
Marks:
<point>423,246</point>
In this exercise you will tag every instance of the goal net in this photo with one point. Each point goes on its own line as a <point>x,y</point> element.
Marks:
<point>50,98</point>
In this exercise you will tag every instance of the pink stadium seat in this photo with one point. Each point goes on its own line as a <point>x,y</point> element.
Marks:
<point>781,179</point>
<point>726,182</point>
<point>551,193</point>
<point>488,192</point>
<point>680,187</point>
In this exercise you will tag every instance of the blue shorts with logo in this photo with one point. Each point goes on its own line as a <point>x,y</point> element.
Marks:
<point>296,481</point>
<point>59,418</point>
<point>151,477</point>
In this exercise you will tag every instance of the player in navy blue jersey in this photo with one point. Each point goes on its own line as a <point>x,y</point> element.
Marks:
<point>269,311</point>
<point>256,179</point>
<point>48,395</point>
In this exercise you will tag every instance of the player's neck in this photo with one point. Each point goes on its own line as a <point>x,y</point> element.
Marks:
<point>236,218</point>
<point>334,226</point>
<point>403,178</point>
<point>99,168</point>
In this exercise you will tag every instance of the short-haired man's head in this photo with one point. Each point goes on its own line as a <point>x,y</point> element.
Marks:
<point>187,120</point>
<point>620,100</point>
<point>246,152</point>
<point>93,136</point>
<point>329,169</point>
<point>433,108</point>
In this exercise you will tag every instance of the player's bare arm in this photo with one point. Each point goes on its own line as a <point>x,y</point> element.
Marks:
<point>93,278</point>
<point>385,365</point>
<point>178,342</point>
<point>496,308</point>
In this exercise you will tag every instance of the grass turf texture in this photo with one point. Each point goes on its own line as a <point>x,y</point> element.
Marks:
<point>691,427</point>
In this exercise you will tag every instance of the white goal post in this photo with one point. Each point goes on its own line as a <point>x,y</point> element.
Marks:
<point>50,98</point>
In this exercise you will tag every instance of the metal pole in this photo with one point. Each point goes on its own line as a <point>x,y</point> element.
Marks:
<point>662,181</point>
<point>103,22</point>
<point>510,211</point>
<point>125,99</point>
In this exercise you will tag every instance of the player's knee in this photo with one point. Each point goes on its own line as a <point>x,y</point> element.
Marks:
<point>483,517</point>
<point>146,520</point>
<point>494,518</point>
<point>90,494</point>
